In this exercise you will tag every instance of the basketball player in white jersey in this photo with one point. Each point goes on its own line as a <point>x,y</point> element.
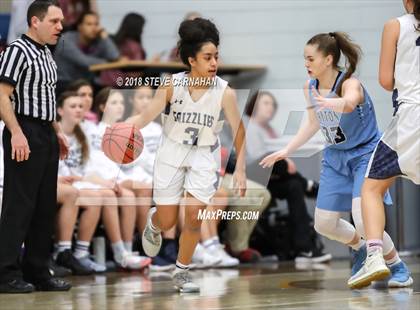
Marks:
<point>185,162</point>
<point>398,151</point>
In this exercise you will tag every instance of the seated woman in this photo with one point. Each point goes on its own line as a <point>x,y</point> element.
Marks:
<point>69,189</point>
<point>285,181</point>
<point>128,40</point>
<point>98,194</point>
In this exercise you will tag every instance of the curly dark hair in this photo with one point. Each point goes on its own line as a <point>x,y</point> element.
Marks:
<point>193,35</point>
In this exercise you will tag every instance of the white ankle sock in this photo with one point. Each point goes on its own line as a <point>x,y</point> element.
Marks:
<point>118,250</point>
<point>180,267</point>
<point>82,249</point>
<point>210,242</point>
<point>128,245</point>
<point>61,246</point>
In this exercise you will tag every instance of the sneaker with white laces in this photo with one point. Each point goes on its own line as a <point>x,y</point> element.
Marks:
<point>226,260</point>
<point>88,263</point>
<point>134,262</point>
<point>202,259</point>
<point>151,241</point>
<point>400,276</point>
<point>183,282</point>
<point>373,269</point>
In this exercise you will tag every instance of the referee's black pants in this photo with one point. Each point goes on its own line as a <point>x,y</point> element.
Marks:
<point>29,204</point>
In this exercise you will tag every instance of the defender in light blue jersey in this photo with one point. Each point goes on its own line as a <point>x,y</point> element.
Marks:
<point>342,109</point>
<point>351,138</point>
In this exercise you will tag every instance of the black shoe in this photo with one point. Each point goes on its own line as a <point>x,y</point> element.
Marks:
<point>58,271</point>
<point>67,260</point>
<point>16,286</point>
<point>313,191</point>
<point>52,285</point>
<point>314,256</point>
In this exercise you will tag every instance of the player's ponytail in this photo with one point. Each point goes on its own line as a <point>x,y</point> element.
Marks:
<point>335,43</point>
<point>352,52</point>
<point>78,132</point>
<point>416,12</point>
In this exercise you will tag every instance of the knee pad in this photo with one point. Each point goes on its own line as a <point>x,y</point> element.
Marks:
<point>326,221</point>
<point>330,225</point>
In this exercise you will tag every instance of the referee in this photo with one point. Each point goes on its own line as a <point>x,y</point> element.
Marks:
<point>32,143</point>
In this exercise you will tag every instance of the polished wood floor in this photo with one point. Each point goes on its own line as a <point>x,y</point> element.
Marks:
<point>264,286</point>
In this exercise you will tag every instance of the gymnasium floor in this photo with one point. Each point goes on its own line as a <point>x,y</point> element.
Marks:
<point>266,286</point>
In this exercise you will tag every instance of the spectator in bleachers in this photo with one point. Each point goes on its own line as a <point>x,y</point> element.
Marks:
<point>128,40</point>
<point>85,90</point>
<point>100,192</point>
<point>72,9</point>
<point>129,37</point>
<point>71,185</point>
<point>285,181</point>
<point>77,50</point>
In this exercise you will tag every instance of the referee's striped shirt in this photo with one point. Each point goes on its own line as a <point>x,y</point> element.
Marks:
<point>31,69</point>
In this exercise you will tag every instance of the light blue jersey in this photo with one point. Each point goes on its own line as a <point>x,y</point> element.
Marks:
<point>351,139</point>
<point>345,131</point>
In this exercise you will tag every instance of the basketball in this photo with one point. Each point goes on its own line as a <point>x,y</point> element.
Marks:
<point>122,143</point>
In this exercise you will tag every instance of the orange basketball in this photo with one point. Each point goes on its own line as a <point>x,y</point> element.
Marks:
<point>122,143</point>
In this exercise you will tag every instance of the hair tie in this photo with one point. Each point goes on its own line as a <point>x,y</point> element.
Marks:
<point>331,34</point>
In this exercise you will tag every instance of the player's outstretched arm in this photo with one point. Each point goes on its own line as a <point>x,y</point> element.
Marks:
<point>161,98</point>
<point>390,37</point>
<point>230,108</point>
<point>307,131</point>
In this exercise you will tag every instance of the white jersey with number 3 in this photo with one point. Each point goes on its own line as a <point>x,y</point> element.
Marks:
<point>192,122</point>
